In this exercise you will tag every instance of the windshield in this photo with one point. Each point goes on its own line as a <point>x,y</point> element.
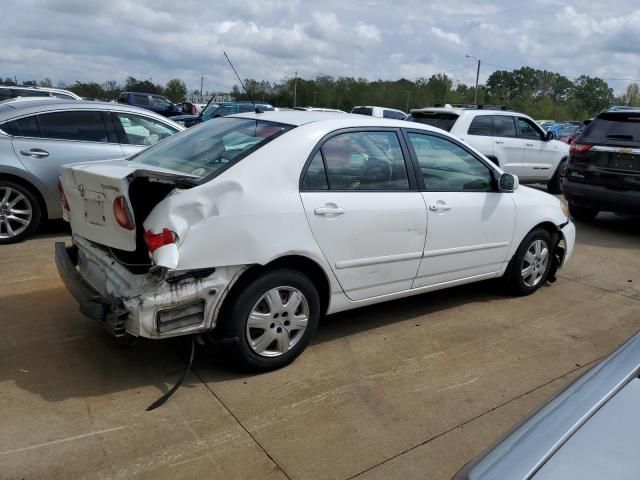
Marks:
<point>202,150</point>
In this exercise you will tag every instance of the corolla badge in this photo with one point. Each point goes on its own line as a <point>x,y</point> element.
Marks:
<point>81,190</point>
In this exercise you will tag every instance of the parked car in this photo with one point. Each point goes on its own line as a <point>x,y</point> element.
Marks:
<point>570,137</point>
<point>510,139</point>
<point>7,93</point>
<point>39,135</point>
<point>221,109</point>
<point>252,226</point>
<point>380,112</point>
<point>151,101</point>
<point>604,166</point>
<point>587,432</point>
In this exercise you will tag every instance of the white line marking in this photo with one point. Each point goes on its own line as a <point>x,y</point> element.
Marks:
<point>458,385</point>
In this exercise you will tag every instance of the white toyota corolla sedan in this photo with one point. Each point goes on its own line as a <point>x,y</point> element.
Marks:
<point>252,227</point>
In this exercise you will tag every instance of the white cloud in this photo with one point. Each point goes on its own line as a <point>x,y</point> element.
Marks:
<point>448,36</point>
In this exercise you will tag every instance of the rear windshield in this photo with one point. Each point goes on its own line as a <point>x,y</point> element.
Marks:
<point>363,111</point>
<point>613,127</point>
<point>204,149</point>
<point>444,121</point>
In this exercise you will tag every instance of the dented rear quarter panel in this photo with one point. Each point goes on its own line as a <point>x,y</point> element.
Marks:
<point>250,214</point>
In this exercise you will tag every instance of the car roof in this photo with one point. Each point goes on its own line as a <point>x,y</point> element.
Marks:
<point>41,89</point>
<point>470,111</point>
<point>346,120</point>
<point>14,108</point>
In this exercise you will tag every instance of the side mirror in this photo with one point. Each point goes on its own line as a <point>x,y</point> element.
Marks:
<point>358,158</point>
<point>508,182</point>
<point>550,136</point>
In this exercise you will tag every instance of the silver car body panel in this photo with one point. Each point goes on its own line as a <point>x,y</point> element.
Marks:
<point>524,452</point>
<point>42,173</point>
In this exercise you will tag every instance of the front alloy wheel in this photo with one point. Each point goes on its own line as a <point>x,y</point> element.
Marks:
<point>534,264</point>
<point>530,266</point>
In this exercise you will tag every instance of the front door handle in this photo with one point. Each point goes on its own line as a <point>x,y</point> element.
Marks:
<point>439,206</point>
<point>499,142</point>
<point>529,144</point>
<point>329,211</point>
<point>35,152</point>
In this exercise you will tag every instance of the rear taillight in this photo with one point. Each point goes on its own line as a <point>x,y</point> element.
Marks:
<point>156,240</point>
<point>579,147</point>
<point>63,197</point>
<point>121,213</point>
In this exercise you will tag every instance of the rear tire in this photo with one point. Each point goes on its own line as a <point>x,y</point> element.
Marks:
<point>20,212</point>
<point>270,321</point>
<point>529,267</point>
<point>583,214</point>
<point>555,184</point>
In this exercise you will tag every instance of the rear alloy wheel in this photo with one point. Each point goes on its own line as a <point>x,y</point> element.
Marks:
<point>271,319</point>
<point>583,214</point>
<point>530,266</point>
<point>19,212</point>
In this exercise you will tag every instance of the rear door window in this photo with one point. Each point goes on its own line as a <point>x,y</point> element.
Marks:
<point>481,125</point>
<point>503,126</point>
<point>365,161</point>
<point>315,178</point>
<point>87,126</point>
<point>141,99</point>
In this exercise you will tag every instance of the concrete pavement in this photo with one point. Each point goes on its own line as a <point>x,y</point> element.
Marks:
<point>409,389</point>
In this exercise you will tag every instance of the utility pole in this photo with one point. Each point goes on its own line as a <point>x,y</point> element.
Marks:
<point>314,99</point>
<point>475,94</point>
<point>295,89</point>
<point>408,95</point>
<point>201,83</point>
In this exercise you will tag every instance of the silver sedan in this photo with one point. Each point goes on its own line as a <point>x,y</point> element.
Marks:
<point>39,135</point>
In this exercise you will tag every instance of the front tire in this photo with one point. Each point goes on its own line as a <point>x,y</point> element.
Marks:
<point>271,320</point>
<point>529,267</point>
<point>19,212</point>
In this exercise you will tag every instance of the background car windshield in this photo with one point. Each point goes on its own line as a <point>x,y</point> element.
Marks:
<point>202,150</point>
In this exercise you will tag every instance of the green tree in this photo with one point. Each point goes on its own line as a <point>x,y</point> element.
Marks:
<point>176,90</point>
<point>45,82</point>
<point>592,94</point>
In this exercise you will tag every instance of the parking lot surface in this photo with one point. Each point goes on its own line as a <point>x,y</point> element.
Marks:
<point>408,389</point>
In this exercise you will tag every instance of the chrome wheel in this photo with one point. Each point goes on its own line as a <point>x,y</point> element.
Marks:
<point>277,321</point>
<point>534,264</point>
<point>16,212</point>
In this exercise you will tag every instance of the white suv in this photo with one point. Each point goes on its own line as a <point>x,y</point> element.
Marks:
<point>380,112</point>
<point>512,140</point>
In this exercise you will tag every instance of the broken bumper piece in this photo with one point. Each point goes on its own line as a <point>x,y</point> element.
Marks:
<point>147,305</point>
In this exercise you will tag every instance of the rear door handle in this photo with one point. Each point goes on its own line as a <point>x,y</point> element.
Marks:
<point>439,206</point>
<point>499,142</point>
<point>34,152</point>
<point>529,144</point>
<point>329,211</point>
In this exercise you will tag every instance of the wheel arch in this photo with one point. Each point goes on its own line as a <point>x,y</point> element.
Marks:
<point>301,263</point>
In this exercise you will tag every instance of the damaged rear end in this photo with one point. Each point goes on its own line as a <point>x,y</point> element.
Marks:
<point>129,219</point>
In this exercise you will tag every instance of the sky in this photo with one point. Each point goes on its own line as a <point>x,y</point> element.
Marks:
<point>87,40</point>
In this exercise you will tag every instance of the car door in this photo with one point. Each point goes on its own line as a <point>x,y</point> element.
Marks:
<point>479,134</point>
<point>539,154</point>
<point>137,132</point>
<point>508,148</point>
<point>50,140</point>
<point>470,224</point>
<point>364,211</point>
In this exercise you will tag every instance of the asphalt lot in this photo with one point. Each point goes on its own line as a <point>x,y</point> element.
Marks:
<point>408,389</point>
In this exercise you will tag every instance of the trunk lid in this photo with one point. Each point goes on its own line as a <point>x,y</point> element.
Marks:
<point>92,188</point>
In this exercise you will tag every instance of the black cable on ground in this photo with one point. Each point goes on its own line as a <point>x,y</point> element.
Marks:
<point>173,389</point>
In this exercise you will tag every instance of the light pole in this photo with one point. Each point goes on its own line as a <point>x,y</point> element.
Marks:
<point>295,89</point>
<point>475,95</point>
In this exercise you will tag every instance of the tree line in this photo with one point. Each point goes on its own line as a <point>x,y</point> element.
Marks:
<point>540,93</point>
